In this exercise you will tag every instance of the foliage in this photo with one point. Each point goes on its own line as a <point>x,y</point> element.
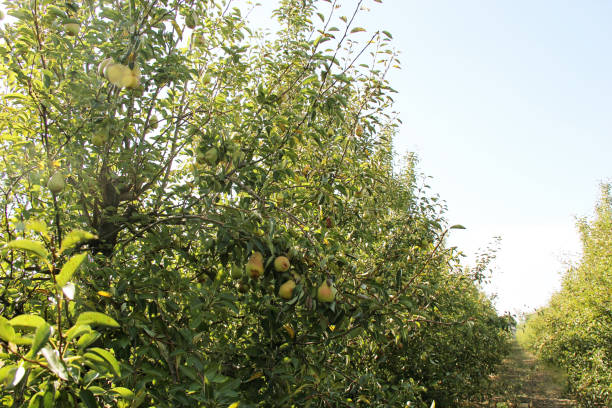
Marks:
<point>575,330</point>
<point>218,143</point>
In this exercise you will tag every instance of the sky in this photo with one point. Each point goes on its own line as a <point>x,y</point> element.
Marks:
<point>509,108</point>
<point>508,105</point>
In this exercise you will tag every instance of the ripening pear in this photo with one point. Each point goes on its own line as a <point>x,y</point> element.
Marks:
<point>326,293</point>
<point>134,80</point>
<point>72,28</point>
<point>359,130</point>
<point>118,74</point>
<point>286,289</point>
<point>254,266</point>
<point>56,183</point>
<point>281,264</point>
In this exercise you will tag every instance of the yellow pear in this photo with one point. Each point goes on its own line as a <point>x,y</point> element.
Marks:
<point>56,183</point>
<point>118,74</point>
<point>134,80</point>
<point>254,266</point>
<point>359,130</point>
<point>282,264</point>
<point>326,293</point>
<point>286,289</point>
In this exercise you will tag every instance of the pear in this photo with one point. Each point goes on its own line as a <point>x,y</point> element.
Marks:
<point>326,293</point>
<point>102,66</point>
<point>134,80</point>
<point>359,130</point>
<point>56,183</point>
<point>153,122</point>
<point>100,138</point>
<point>72,28</point>
<point>281,264</point>
<point>211,156</point>
<point>118,74</point>
<point>236,272</point>
<point>286,289</point>
<point>190,21</point>
<point>254,266</point>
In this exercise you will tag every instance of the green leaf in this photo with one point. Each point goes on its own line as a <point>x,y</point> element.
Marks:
<point>109,358</point>
<point>27,322</point>
<point>87,339</point>
<point>457,226</point>
<point>123,392</point>
<point>41,337</point>
<point>88,398</point>
<point>96,319</point>
<point>38,226</point>
<point>7,333</point>
<point>6,374</point>
<point>55,365</point>
<point>74,238</point>
<point>357,30</point>
<point>29,245</point>
<point>69,268</point>
<point>76,331</point>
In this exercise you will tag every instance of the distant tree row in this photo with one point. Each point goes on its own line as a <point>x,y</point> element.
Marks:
<point>575,330</point>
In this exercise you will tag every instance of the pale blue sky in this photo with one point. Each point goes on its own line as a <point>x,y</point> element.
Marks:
<point>509,106</point>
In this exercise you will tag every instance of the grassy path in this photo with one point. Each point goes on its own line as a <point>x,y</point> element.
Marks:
<point>524,382</point>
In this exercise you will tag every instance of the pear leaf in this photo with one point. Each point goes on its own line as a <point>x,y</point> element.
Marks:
<point>69,268</point>
<point>88,398</point>
<point>123,392</point>
<point>27,321</point>
<point>7,333</point>
<point>96,319</point>
<point>55,365</point>
<point>76,331</point>
<point>111,361</point>
<point>74,238</point>
<point>41,337</point>
<point>29,245</point>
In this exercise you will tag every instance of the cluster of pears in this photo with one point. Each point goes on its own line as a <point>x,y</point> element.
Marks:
<point>119,75</point>
<point>255,268</point>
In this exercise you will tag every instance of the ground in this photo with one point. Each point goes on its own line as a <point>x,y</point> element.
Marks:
<point>525,382</point>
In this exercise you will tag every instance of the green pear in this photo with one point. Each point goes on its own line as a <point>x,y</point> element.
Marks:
<point>254,266</point>
<point>100,137</point>
<point>236,272</point>
<point>190,21</point>
<point>72,28</point>
<point>56,183</point>
<point>286,289</point>
<point>326,293</point>
<point>211,156</point>
<point>281,264</point>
